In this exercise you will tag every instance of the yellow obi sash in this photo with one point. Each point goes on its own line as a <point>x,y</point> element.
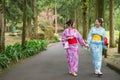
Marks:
<point>97,37</point>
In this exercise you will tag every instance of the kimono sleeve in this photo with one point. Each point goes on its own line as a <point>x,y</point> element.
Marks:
<point>63,37</point>
<point>80,39</point>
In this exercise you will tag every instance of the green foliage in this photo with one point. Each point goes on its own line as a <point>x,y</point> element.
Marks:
<point>65,8</point>
<point>57,37</point>
<point>116,15</point>
<point>116,34</point>
<point>4,61</point>
<point>33,47</point>
<point>13,10</point>
<point>114,45</point>
<point>13,53</point>
<point>45,30</point>
<point>117,19</point>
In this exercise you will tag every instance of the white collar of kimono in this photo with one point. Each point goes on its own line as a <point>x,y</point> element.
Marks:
<point>97,27</point>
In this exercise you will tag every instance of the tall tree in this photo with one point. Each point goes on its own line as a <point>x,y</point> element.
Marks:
<point>2,32</point>
<point>119,43</point>
<point>24,24</point>
<point>56,27</point>
<point>29,31</point>
<point>84,18</point>
<point>2,28</point>
<point>99,8</point>
<point>89,14</point>
<point>29,28</point>
<point>112,39</point>
<point>35,19</point>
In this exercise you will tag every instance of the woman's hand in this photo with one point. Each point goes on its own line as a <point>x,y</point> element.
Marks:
<point>86,45</point>
<point>69,37</point>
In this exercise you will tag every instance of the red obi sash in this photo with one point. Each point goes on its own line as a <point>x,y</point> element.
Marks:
<point>72,41</point>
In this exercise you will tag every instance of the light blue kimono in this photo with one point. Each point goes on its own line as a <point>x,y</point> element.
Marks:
<point>96,46</point>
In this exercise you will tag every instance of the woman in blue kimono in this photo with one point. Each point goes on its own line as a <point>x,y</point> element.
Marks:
<point>96,42</point>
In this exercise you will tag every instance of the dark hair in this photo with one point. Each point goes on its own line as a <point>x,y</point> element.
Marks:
<point>70,22</point>
<point>100,21</point>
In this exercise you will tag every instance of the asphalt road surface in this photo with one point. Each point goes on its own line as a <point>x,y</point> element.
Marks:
<point>52,65</point>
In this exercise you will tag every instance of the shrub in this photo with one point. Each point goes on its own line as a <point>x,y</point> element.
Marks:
<point>4,61</point>
<point>57,37</point>
<point>46,31</point>
<point>33,47</point>
<point>13,53</point>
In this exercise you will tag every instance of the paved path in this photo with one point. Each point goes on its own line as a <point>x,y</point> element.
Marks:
<point>51,65</point>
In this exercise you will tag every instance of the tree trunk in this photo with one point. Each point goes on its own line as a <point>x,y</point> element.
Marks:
<point>35,19</point>
<point>75,16</point>
<point>24,25</point>
<point>29,28</point>
<point>2,33</point>
<point>2,28</point>
<point>112,40</point>
<point>56,27</point>
<point>99,9</point>
<point>77,19</point>
<point>84,18</point>
<point>89,16</point>
<point>119,43</point>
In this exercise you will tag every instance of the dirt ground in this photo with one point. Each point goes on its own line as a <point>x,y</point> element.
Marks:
<point>11,38</point>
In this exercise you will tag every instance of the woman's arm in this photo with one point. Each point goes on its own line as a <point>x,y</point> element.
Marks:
<point>63,37</point>
<point>80,39</point>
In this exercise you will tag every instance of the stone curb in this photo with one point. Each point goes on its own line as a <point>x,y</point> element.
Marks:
<point>113,66</point>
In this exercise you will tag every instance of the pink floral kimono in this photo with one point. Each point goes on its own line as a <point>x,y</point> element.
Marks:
<point>72,51</point>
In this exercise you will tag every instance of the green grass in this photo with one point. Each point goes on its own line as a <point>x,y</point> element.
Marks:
<point>116,34</point>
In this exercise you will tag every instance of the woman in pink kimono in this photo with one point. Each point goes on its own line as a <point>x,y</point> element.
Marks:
<point>72,36</point>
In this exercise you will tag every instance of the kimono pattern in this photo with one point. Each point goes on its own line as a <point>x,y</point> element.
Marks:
<point>96,46</point>
<point>72,51</point>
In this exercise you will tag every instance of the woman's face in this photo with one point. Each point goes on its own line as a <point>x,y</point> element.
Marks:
<point>73,26</point>
<point>97,23</point>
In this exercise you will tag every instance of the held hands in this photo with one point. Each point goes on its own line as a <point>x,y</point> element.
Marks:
<point>86,45</point>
